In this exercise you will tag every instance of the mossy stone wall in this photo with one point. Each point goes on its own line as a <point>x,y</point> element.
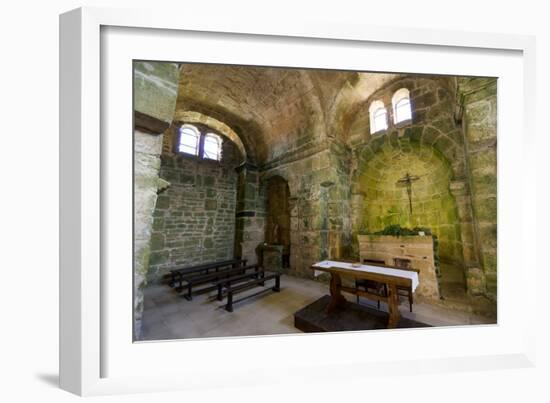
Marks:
<point>194,218</point>
<point>155,90</point>
<point>386,201</point>
<point>319,204</point>
<point>479,99</point>
<point>154,107</point>
<point>430,147</point>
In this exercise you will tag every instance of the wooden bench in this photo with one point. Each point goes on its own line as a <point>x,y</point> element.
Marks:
<point>176,272</point>
<point>232,290</point>
<point>176,275</point>
<point>231,281</point>
<point>194,280</point>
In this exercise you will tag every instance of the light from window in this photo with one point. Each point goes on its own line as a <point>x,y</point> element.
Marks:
<point>212,147</point>
<point>378,117</point>
<point>401,106</point>
<point>189,140</point>
<point>380,121</point>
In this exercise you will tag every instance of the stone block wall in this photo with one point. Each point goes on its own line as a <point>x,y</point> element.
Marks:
<point>341,179</point>
<point>155,92</point>
<point>194,218</point>
<point>154,101</point>
<point>147,149</point>
<point>250,214</point>
<point>429,147</point>
<point>479,100</point>
<point>319,204</point>
<point>433,121</point>
<point>387,203</point>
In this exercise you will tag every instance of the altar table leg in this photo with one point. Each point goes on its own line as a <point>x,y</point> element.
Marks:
<point>393,306</point>
<point>337,299</point>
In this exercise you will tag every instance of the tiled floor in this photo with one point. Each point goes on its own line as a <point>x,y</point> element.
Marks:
<point>169,316</point>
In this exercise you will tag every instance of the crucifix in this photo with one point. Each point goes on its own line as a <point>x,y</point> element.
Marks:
<point>407,181</point>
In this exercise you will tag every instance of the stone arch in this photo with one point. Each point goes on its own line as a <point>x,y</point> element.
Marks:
<point>219,126</point>
<point>378,200</point>
<point>353,96</point>
<point>433,123</point>
<point>252,100</point>
<point>282,172</point>
<point>423,135</point>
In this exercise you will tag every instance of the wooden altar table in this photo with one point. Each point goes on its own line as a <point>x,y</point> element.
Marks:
<point>392,277</point>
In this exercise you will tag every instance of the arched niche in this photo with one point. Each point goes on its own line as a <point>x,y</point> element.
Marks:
<point>277,228</point>
<point>384,195</point>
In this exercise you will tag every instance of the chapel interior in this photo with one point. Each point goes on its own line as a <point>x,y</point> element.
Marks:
<point>278,169</point>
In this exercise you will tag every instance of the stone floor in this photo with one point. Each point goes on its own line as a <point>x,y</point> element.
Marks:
<point>169,316</point>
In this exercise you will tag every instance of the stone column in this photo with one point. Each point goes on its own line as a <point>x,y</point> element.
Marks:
<point>323,226</point>
<point>357,205</point>
<point>478,98</point>
<point>293,204</point>
<point>155,91</point>
<point>250,230</point>
<point>475,279</point>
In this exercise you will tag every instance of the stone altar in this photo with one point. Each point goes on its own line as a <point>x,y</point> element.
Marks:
<point>417,250</point>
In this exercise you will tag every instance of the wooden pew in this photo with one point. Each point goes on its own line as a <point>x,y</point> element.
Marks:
<point>227,282</point>
<point>176,275</point>
<point>193,280</point>
<point>232,290</point>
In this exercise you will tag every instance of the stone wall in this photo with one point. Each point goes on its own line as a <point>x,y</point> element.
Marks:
<point>430,148</point>
<point>277,229</point>
<point>319,203</point>
<point>154,105</point>
<point>342,180</point>
<point>194,219</point>
<point>387,203</point>
<point>479,100</point>
<point>250,214</point>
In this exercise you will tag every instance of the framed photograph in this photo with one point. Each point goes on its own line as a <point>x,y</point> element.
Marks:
<point>289,196</point>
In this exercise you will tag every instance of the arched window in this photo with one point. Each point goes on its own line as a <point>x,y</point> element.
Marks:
<point>195,141</point>
<point>401,106</point>
<point>378,117</point>
<point>189,140</point>
<point>212,147</point>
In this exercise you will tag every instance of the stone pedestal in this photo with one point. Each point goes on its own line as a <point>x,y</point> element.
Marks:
<point>272,257</point>
<point>417,250</point>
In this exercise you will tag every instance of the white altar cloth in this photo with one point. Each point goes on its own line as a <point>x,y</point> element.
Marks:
<point>370,269</point>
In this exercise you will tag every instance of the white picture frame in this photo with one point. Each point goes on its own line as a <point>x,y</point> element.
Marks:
<point>96,351</point>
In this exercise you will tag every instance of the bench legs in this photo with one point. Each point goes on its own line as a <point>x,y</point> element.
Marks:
<point>189,295</point>
<point>229,305</point>
<point>180,286</point>
<point>277,286</point>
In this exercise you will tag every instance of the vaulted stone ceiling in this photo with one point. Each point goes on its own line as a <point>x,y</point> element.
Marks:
<point>275,110</point>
